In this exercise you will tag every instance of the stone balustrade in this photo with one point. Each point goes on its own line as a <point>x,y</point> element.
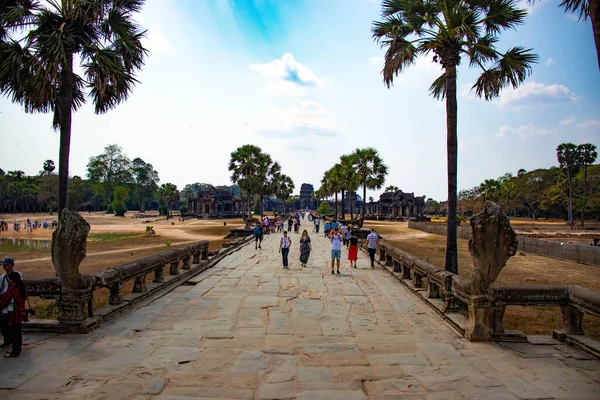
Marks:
<point>449,293</point>
<point>182,262</point>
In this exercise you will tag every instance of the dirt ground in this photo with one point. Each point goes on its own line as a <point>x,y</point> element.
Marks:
<point>113,241</point>
<point>522,269</point>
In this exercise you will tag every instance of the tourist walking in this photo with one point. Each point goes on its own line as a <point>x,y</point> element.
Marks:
<point>290,223</point>
<point>372,241</point>
<point>305,248</point>
<point>336,249</point>
<point>8,264</point>
<point>326,228</point>
<point>317,224</point>
<point>258,236</point>
<point>12,306</point>
<point>284,248</point>
<point>352,249</point>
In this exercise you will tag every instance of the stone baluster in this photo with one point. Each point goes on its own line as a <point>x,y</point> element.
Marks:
<point>158,274</point>
<point>572,319</point>
<point>139,284</point>
<point>116,293</point>
<point>492,244</point>
<point>405,271</point>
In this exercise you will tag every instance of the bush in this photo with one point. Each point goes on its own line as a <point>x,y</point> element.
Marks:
<point>460,219</point>
<point>120,197</point>
<point>119,208</point>
<point>324,208</point>
<point>183,209</point>
<point>163,210</point>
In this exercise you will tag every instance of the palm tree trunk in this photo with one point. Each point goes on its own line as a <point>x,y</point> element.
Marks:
<point>570,212</point>
<point>335,214</point>
<point>362,216</point>
<point>64,111</point>
<point>343,205</point>
<point>452,150</point>
<point>594,9</point>
<point>584,192</point>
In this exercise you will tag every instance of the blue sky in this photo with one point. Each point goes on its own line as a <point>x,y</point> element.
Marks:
<point>302,80</point>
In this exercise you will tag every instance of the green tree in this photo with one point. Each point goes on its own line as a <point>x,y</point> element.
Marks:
<point>244,164</point>
<point>119,199</point>
<point>39,72</point>
<point>371,171</point>
<point>284,187</point>
<point>48,168</point>
<point>111,168</point>
<point>168,194</point>
<point>451,29</point>
<point>568,159</point>
<point>587,155</point>
<point>391,188</point>
<point>331,185</point>
<point>324,208</point>
<point>146,181</point>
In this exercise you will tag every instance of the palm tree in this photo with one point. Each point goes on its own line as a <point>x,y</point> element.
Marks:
<point>508,191</point>
<point>330,186</point>
<point>348,180</point>
<point>391,188</point>
<point>568,158</point>
<point>244,168</point>
<point>450,29</point>
<point>587,156</point>
<point>168,194</point>
<point>284,188</point>
<point>265,178</point>
<point>37,71</point>
<point>371,171</point>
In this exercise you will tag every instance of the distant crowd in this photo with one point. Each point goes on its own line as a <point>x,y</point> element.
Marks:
<point>29,226</point>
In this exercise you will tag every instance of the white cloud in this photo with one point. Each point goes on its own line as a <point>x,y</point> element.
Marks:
<point>306,118</point>
<point>532,94</point>
<point>287,76</point>
<point>573,17</point>
<point>588,124</point>
<point>377,61</point>
<point>569,121</point>
<point>523,131</point>
<point>156,43</point>
<point>549,61</point>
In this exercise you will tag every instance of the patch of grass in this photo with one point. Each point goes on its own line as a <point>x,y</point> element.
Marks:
<point>107,237</point>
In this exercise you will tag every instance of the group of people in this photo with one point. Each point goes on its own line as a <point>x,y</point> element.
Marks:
<point>12,307</point>
<point>29,225</point>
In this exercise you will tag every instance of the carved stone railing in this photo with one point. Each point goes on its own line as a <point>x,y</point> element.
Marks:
<point>448,293</point>
<point>182,264</point>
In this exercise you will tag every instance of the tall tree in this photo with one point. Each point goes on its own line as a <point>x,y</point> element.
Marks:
<point>371,172</point>
<point>568,159</point>
<point>451,29</point>
<point>391,188</point>
<point>111,168</point>
<point>168,194</point>
<point>244,164</point>
<point>587,156</point>
<point>48,168</point>
<point>38,70</point>
<point>284,187</point>
<point>146,180</point>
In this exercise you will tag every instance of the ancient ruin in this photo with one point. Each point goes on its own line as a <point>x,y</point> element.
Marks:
<point>397,206</point>
<point>306,196</point>
<point>216,204</point>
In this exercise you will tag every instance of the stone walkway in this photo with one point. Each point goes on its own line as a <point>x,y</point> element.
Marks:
<point>248,329</point>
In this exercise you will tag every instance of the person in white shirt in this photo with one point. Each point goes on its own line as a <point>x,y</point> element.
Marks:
<point>284,248</point>
<point>336,249</point>
<point>372,241</point>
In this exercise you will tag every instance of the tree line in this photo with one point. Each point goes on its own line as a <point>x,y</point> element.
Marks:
<point>557,192</point>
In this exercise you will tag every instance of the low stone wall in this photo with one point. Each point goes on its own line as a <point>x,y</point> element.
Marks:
<point>183,263</point>
<point>449,294</point>
<point>583,254</point>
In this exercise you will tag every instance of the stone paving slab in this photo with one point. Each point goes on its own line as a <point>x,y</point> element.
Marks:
<point>249,329</point>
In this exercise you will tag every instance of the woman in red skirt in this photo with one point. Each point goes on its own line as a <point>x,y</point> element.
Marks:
<point>353,249</point>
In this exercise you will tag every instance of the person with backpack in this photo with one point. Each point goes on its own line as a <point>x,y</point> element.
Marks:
<point>258,236</point>
<point>15,297</point>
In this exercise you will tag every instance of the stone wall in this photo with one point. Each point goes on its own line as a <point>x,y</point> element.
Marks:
<point>584,254</point>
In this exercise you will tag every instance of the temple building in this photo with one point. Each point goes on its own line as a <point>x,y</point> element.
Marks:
<point>396,206</point>
<point>215,204</point>
<point>306,196</point>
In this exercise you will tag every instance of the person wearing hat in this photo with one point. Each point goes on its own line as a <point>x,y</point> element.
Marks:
<point>8,264</point>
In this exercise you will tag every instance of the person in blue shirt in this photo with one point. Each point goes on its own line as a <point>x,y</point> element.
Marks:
<point>326,228</point>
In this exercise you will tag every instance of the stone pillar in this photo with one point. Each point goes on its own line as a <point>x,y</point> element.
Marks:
<point>174,268</point>
<point>492,244</point>
<point>116,293</point>
<point>158,274</point>
<point>139,284</point>
<point>572,318</point>
<point>68,250</point>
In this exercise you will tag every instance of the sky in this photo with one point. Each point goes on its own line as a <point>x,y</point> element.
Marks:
<point>302,81</point>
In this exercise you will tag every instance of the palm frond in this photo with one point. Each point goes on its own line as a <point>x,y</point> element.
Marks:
<point>503,14</point>
<point>482,50</point>
<point>438,87</point>
<point>488,84</point>
<point>516,64</point>
<point>580,7</point>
